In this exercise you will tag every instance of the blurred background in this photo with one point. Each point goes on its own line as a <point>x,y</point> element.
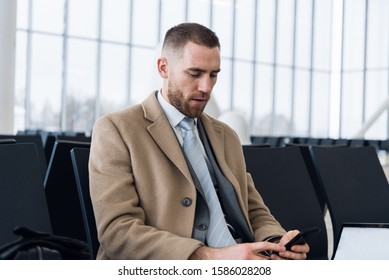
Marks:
<point>309,68</point>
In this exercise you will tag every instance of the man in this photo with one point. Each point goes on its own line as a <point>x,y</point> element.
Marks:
<point>148,197</point>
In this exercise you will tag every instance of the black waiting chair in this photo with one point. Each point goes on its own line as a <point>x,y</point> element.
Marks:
<point>355,143</point>
<point>327,141</point>
<point>22,196</point>
<point>256,139</point>
<point>80,159</point>
<point>354,185</point>
<point>51,137</point>
<point>342,142</point>
<point>7,141</point>
<point>313,141</point>
<point>304,148</point>
<point>61,192</point>
<point>37,140</point>
<point>281,178</point>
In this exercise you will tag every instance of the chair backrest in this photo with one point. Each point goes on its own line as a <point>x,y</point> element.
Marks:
<point>356,143</point>
<point>354,184</point>
<point>281,178</point>
<point>37,140</point>
<point>304,148</point>
<point>7,141</point>
<point>61,192</point>
<point>80,159</point>
<point>51,137</point>
<point>22,196</point>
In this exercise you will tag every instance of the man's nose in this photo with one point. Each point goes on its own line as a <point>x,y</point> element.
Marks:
<point>205,84</point>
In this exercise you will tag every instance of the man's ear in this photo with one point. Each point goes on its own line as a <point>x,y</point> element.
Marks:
<point>162,67</point>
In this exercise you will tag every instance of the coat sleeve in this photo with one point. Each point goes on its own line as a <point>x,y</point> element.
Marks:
<point>120,218</point>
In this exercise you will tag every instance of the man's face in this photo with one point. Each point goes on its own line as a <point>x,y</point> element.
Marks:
<point>191,78</point>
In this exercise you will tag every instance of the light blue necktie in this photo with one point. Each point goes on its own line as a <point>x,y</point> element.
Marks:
<point>217,235</point>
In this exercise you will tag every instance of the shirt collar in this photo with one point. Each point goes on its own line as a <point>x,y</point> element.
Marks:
<point>173,115</point>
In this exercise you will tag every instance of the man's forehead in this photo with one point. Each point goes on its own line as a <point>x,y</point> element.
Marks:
<point>199,53</point>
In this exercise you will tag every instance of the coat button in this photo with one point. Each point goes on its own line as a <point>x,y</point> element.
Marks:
<point>202,227</point>
<point>186,202</point>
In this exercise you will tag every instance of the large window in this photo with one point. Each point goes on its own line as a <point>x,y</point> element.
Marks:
<point>289,67</point>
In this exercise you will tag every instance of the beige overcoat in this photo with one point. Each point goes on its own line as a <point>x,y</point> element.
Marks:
<point>142,191</point>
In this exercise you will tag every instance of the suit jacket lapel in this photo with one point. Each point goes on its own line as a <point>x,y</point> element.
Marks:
<point>215,135</point>
<point>228,186</point>
<point>163,134</point>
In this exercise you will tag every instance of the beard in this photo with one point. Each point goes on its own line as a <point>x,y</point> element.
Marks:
<point>178,100</point>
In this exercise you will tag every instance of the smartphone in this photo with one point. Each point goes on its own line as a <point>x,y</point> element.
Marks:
<point>299,239</point>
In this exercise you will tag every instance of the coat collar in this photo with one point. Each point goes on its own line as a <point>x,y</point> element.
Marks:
<point>164,136</point>
<point>215,134</point>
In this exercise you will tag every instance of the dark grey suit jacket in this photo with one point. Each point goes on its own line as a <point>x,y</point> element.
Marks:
<point>227,198</point>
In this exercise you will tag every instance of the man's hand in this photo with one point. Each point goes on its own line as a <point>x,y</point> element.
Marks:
<point>254,251</point>
<point>297,252</point>
<point>245,251</point>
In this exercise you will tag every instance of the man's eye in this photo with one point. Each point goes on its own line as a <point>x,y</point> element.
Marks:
<point>194,75</point>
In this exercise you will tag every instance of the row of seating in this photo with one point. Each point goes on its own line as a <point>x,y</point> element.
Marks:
<point>299,184</point>
<point>53,204</point>
<point>44,142</point>
<point>282,141</point>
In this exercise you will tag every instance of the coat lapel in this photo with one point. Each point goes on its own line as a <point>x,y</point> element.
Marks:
<point>233,202</point>
<point>215,135</point>
<point>163,134</point>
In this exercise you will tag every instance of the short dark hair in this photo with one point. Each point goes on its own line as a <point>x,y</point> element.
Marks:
<point>178,36</point>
